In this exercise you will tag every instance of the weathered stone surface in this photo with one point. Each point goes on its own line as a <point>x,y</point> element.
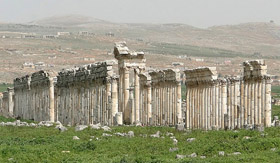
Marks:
<point>80,127</point>
<point>157,135</point>
<point>130,134</point>
<point>221,153</point>
<point>76,138</point>
<point>173,149</point>
<point>106,135</point>
<point>180,127</point>
<point>190,140</point>
<point>180,156</point>
<point>193,155</point>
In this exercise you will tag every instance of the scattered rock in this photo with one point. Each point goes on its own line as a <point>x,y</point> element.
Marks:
<point>193,155</point>
<point>249,127</point>
<point>11,159</point>
<point>275,118</point>
<point>11,124</point>
<point>236,153</point>
<point>203,157</point>
<point>96,126</point>
<point>190,140</point>
<point>120,134</point>
<point>80,127</point>
<point>143,135</point>
<point>180,127</point>
<point>65,151</point>
<point>236,131</point>
<point>173,149</point>
<point>106,135</point>
<point>246,137</point>
<point>58,123</point>
<point>260,128</point>
<point>130,134</point>
<point>45,123</point>
<point>180,156</point>
<point>172,137</point>
<point>273,149</point>
<point>221,153</point>
<point>138,124</point>
<point>32,125</point>
<point>106,128</point>
<point>169,134</point>
<point>92,137</point>
<point>175,141</point>
<point>62,128</point>
<point>156,135</point>
<point>76,138</point>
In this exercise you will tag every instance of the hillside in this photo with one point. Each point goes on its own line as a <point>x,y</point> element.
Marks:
<point>67,20</point>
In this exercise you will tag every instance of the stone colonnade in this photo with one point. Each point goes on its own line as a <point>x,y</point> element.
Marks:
<point>166,97</point>
<point>7,103</point>
<point>129,62</point>
<point>34,96</point>
<point>228,103</point>
<point>87,95</point>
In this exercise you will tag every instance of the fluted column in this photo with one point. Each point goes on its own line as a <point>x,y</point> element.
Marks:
<point>179,103</point>
<point>126,96</point>
<point>268,102</point>
<point>114,99</point>
<point>137,92</point>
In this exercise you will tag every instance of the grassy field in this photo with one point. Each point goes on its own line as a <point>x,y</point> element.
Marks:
<point>26,144</point>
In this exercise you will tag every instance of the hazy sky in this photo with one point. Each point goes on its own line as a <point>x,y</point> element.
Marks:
<point>199,13</point>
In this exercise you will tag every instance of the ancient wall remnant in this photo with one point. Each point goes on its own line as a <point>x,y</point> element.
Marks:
<point>87,95</point>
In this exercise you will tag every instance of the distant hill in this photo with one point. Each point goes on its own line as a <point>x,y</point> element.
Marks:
<point>67,20</point>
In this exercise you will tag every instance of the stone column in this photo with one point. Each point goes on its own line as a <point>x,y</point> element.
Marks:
<point>253,103</point>
<point>126,96</point>
<point>259,102</point>
<point>268,103</point>
<point>51,97</point>
<point>137,98</point>
<point>179,103</point>
<point>114,99</point>
<point>187,118</point>
<point>149,103</point>
<point>11,102</point>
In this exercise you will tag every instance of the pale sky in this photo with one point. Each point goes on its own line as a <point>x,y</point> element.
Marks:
<point>199,13</point>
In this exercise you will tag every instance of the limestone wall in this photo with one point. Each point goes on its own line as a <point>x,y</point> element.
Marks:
<point>87,95</point>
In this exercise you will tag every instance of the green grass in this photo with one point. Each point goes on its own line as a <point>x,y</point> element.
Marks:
<point>26,144</point>
<point>275,90</point>
<point>3,87</point>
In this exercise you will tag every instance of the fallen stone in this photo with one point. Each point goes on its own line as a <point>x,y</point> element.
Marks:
<point>76,138</point>
<point>62,128</point>
<point>180,156</point>
<point>32,125</point>
<point>193,155</point>
<point>175,141</point>
<point>138,124</point>
<point>236,153</point>
<point>2,124</point>
<point>106,128</point>
<point>221,153</point>
<point>249,127</point>
<point>260,128</point>
<point>190,140</point>
<point>11,159</point>
<point>246,137</point>
<point>106,135</point>
<point>273,149</point>
<point>58,123</point>
<point>11,124</point>
<point>275,118</point>
<point>45,123</point>
<point>80,127</point>
<point>203,157</point>
<point>120,134</point>
<point>156,135</point>
<point>130,134</point>
<point>96,126</point>
<point>92,137</point>
<point>65,151</point>
<point>169,134</point>
<point>173,149</point>
<point>180,127</point>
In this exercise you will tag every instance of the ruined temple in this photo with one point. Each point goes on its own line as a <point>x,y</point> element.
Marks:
<point>95,93</point>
